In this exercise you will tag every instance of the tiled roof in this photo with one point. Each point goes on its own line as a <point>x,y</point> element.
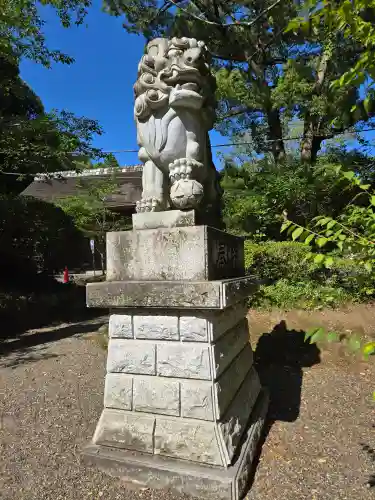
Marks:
<point>63,184</point>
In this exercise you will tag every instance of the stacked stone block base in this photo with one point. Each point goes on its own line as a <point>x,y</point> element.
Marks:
<point>181,391</point>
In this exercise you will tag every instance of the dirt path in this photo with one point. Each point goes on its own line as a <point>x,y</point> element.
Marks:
<point>51,389</point>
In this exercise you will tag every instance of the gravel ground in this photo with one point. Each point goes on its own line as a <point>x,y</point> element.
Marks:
<point>51,386</point>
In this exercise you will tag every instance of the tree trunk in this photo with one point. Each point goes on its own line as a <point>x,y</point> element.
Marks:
<point>102,262</point>
<point>311,142</point>
<point>276,135</point>
<point>275,131</point>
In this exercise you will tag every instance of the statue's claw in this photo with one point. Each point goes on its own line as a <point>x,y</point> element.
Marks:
<point>184,168</point>
<point>149,205</point>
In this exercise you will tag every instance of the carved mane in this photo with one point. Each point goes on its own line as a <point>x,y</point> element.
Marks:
<point>167,64</point>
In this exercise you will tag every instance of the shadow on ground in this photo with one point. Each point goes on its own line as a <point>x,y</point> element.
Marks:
<point>279,358</point>
<point>371,454</point>
<point>25,343</point>
<point>25,357</point>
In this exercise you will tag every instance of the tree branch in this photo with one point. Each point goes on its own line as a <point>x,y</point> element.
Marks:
<point>223,25</point>
<point>233,113</point>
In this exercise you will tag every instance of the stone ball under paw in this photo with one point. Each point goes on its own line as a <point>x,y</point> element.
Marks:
<point>186,193</point>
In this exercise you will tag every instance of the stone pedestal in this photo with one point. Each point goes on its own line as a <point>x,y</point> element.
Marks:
<point>183,405</point>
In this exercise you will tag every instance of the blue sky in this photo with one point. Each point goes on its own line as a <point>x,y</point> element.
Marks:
<point>99,84</point>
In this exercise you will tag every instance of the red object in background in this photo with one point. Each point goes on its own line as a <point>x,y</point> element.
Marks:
<point>66,275</point>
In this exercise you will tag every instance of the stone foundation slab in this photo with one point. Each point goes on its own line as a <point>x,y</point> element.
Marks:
<point>170,294</point>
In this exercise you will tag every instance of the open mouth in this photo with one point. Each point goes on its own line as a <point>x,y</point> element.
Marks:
<point>181,75</point>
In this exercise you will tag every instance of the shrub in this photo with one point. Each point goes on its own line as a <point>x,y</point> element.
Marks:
<point>274,260</point>
<point>286,294</point>
<point>36,236</point>
<point>290,281</point>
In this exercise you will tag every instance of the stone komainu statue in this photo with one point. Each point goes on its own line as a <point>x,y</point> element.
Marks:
<point>174,110</point>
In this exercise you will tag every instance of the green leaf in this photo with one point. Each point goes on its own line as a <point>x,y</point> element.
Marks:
<point>372,200</point>
<point>310,333</point>
<point>348,175</point>
<point>323,221</point>
<point>318,259</point>
<point>354,342</point>
<point>331,223</point>
<point>285,225</point>
<point>340,244</point>
<point>297,233</point>
<point>309,239</point>
<point>332,337</point>
<point>368,348</point>
<point>373,396</point>
<point>337,233</point>
<point>328,262</point>
<point>368,266</point>
<point>365,187</point>
<point>366,104</point>
<point>321,241</point>
<point>318,335</point>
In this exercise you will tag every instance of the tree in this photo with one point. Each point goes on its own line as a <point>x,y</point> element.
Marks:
<point>351,20</point>
<point>351,233</point>
<point>36,237</point>
<point>267,74</point>
<point>247,40</point>
<point>90,214</point>
<point>110,161</point>
<point>21,28</point>
<point>258,192</point>
<point>33,141</point>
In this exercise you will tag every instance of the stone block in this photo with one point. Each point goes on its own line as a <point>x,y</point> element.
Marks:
<point>244,463</point>
<point>125,430</point>
<point>201,326</point>
<point>217,294</point>
<point>197,400</point>
<point>130,356</point>
<point>229,346</point>
<point>235,421</point>
<point>224,320</point>
<point>183,360</point>
<point>229,382</point>
<point>120,326</point>
<point>225,255</point>
<point>118,391</point>
<point>194,328</point>
<point>157,254</point>
<point>182,253</point>
<point>166,219</point>
<point>182,477</point>
<point>193,440</point>
<point>156,327</point>
<point>157,395</point>
<point>235,290</point>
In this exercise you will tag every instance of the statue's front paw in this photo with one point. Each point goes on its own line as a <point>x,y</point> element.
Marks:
<point>184,168</point>
<point>149,205</point>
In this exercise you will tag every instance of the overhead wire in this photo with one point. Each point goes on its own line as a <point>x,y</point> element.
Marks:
<point>228,144</point>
